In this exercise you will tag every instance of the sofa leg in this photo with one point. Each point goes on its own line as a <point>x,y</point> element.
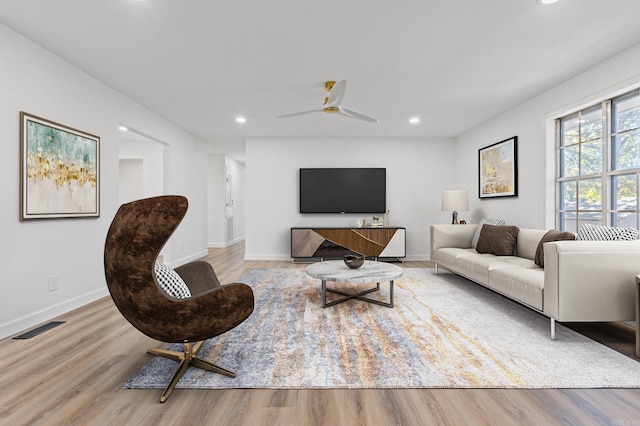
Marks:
<point>553,329</point>
<point>436,269</point>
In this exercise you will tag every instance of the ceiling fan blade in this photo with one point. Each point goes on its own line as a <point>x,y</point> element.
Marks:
<point>337,93</point>
<point>294,114</point>
<point>355,114</point>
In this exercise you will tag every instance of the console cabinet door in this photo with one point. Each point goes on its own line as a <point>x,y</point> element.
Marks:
<point>336,242</point>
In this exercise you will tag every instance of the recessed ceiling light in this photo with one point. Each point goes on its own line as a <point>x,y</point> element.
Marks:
<point>414,120</point>
<point>122,128</point>
<point>241,120</point>
<point>548,1</point>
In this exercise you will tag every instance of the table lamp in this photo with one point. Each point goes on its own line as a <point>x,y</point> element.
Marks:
<point>454,201</point>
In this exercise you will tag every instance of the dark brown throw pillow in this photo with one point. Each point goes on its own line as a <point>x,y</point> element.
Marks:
<point>498,240</point>
<point>552,235</point>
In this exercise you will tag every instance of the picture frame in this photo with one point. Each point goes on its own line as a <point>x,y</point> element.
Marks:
<point>59,170</point>
<point>498,169</point>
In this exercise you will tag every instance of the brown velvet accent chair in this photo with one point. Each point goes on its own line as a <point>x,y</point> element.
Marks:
<point>137,234</point>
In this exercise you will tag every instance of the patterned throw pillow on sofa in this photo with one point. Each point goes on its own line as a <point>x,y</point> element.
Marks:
<point>588,232</point>
<point>171,282</point>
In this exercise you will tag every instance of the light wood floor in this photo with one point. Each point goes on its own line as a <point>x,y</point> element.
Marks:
<point>73,374</point>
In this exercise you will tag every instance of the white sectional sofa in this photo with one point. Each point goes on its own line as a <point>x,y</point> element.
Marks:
<point>582,281</point>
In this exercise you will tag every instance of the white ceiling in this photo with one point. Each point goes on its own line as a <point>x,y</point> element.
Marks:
<point>453,63</point>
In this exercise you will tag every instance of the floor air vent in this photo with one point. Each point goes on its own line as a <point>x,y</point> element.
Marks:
<point>38,330</point>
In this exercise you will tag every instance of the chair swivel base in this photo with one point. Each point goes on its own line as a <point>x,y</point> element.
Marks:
<point>186,359</point>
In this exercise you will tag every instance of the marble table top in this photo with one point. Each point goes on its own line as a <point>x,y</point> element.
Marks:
<point>370,271</point>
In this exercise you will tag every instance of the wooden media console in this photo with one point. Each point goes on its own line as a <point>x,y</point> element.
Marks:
<point>333,243</point>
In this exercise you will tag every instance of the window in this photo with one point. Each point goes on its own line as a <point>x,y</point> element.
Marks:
<point>599,164</point>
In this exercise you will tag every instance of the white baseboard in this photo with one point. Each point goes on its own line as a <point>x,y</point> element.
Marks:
<point>29,321</point>
<point>225,245</point>
<point>235,241</point>
<point>266,257</point>
<point>417,257</point>
<point>187,259</point>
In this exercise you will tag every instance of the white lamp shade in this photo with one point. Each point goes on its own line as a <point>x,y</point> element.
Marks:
<point>455,200</point>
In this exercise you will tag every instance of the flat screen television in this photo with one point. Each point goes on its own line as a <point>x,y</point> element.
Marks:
<point>343,190</point>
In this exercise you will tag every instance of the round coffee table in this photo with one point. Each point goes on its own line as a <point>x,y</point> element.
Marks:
<point>369,272</point>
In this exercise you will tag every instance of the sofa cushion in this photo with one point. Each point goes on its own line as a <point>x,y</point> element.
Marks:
<point>552,235</point>
<point>450,256</point>
<point>590,232</point>
<point>497,239</point>
<point>476,234</point>
<point>478,266</point>
<point>523,284</point>
<point>527,242</point>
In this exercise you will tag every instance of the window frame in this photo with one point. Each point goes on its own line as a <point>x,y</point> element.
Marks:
<point>609,214</point>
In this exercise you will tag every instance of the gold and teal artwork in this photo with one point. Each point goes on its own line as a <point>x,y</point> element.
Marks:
<point>60,171</point>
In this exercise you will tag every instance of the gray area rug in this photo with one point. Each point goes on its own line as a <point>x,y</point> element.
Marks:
<point>444,332</point>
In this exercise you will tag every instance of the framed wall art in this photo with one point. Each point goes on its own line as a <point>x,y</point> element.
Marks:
<point>498,169</point>
<point>59,170</point>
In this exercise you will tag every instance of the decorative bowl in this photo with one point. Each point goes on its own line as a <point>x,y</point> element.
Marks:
<point>353,261</point>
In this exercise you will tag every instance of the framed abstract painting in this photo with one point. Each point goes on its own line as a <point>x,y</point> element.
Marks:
<point>59,170</point>
<point>498,169</point>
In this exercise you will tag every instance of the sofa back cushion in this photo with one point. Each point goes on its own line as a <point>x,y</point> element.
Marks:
<point>528,240</point>
<point>498,240</point>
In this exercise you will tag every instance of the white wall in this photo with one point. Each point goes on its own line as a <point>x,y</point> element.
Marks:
<point>148,155</point>
<point>37,82</point>
<point>532,122</point>
<point>417,171</point>
<point>131,178</point>
<point>215,178</point>
<point>185,173</point>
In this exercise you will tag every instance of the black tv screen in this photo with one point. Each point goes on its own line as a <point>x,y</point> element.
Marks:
<point>344,190</point>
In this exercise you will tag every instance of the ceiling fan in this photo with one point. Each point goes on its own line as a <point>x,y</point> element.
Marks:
<point>332,102</point>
